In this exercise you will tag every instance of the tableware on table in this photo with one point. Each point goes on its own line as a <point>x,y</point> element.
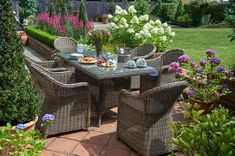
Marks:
<point>87,60</point>
<point>76,55</point>
<point>131,64</point>
<point>103,62</point>
<point>141,63</point>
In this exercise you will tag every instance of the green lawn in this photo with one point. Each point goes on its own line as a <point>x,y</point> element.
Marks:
<point>196,41</point>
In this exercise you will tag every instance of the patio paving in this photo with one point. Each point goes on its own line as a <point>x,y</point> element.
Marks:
<point>98,141</point>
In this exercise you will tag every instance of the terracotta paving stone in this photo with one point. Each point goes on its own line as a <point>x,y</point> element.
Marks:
<point>62,145</point>
<point>80,135</point>
<point>133,153</point>
<point>87,149</point>
<point>49,140</point>
<point>106,128</point>
<point>114,152</point>
<point>51,153</point>
<point>97,138</point>
<point>115,143</point>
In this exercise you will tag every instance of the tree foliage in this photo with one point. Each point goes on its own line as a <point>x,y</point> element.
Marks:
<point>19,102</point>
<point>143,7</point>
<point>27,8</point>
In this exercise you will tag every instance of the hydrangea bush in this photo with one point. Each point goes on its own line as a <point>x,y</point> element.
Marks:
<point>207,78</point>
<point>130,30</point>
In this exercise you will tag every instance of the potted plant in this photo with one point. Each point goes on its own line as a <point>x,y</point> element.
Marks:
<point>19,99</point>
<point>207,79</point>
<point>18,142</point>
<point>98,38</point>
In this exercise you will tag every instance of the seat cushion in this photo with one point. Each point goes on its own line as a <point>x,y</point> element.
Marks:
<point>152,76</point>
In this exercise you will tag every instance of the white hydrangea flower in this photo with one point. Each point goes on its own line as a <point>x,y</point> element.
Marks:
<point>165,25</point>
<point>116,27</point>
<point>144,18</point>
<point>160,31</point>
<point>126,25</point>
<point>130,30</point>
<point>173,34</point>
<point>163,38</point>
<point>121,26</point>
<point>123,20</point>
<point>158,22</point>
<point>141,32</point>
<point>147,26</point>
<point>110,16</point>
<point>137,35</point>
<point>168,30</point>
<point>111,25</point>
<point>151,22</point>
<point>115,19</point>
<point>131,9</point>
<point>147,35</point>
<point>124,12</point>
<point>171,41</point>
<point>134,20</point>
<point>118,8</point>
<point>117,12</point>
<point>146,31</point>
<point>154,30</point>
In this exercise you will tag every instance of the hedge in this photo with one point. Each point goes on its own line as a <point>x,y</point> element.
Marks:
<point>40,35</point>
<point>168,11</point>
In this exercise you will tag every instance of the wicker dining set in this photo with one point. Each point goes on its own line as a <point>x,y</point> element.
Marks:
<point>68,94</point>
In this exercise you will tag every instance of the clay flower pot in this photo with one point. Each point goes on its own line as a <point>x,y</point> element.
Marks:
<point>23,36</point>
<point>105,18</point>
<point>207,107</point>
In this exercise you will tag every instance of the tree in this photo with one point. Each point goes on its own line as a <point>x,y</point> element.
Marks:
<point>19,102</point>
<point>180,9</point>
<point>27,8</point>
<point>142,7</point>
<point>159,9</point>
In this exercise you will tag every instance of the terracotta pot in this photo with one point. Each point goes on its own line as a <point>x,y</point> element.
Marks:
<point>105,20</point>
<point>23,36</point>
<point>207,107</point>
<point>30,126</point>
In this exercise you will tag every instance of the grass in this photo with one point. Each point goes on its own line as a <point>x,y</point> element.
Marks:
<point>196,41</point>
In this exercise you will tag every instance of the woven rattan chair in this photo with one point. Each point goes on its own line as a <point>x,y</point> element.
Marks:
<point>69,102</point>
<point>142,119</point>
<point>144,51</point>
<point>152,80</point>
<point>65,44</point>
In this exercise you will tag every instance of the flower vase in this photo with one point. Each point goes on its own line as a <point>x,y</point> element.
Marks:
<point>98,50</point>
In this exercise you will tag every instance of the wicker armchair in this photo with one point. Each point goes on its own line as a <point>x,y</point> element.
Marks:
<point>142,119</point>
<point>150,81</point>
<point>65,44</point>
<point>144,51</point>
<point>69,102</point>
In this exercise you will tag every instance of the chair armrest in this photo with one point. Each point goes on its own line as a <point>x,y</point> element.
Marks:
<point>46,64</point>
<point>164,69</point>
<point>75,89</point>
<point>154,62</point>
<point>57,69</point>
<point>61,76</point>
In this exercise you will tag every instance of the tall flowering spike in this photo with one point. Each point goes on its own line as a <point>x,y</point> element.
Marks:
<point>191,93</point>
<point>210,53</point>
<point>193,64</point>
<point>215,61</point>
<point>183,59</point>
<point>198,70</point>
<point>230,74</point>
<point>48,118</point>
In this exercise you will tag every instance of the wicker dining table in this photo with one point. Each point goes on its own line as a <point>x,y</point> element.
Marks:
<point>108,81</point>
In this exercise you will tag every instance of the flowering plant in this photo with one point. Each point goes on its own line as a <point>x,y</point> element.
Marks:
<point>98,38</point>
<point>69,25</point>
<point>131,30</point>
<point>47,120</point>
<point>207,78</point>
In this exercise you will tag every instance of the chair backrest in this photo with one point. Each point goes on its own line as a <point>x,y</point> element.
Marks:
<point>65,44</point>
<point>171,56</point>
<point>160,99</point>
<point>144,51</point>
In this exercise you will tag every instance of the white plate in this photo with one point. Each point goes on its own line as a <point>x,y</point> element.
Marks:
<point>76,55</point>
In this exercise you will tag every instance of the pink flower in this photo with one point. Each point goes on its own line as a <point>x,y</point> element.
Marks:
<point>230,74</point>
<point>218,94</point>
<point>173,67</point>
<point>183,59</point>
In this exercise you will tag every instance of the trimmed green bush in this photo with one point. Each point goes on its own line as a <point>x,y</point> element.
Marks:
<point>19,101</point>
<point>216,11</point>
<point>180,9</point>
<point>168,11</point>
<point>184,20</point>
<point>142,7</point>
<point>40,35</point>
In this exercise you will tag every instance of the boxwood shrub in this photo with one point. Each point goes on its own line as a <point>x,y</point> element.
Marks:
<point>40,35</point>
<point>168,11</point>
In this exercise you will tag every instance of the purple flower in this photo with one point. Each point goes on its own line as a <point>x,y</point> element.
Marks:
<point>198,70</point>
<point>230,74</point>
<point>183,59</point>
<point>225,85</point>
<point>193,64</point>
<point>173,67</point>
<point>220,69</point>
<point>218,94</point>
<point>179,70</point>
<point>215,61</point>
<point>203,62</point>
<point>210,52</point>
<point>191,93</point>
<point>20,127</point>
<point>48,118</point>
